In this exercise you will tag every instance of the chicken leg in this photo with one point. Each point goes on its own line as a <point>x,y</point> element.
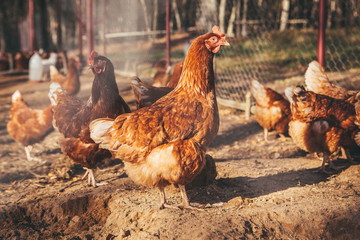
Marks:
<point>28,149</point>
<point>185,201</point>
<point>91,178</point>
<point>326,159</point>
<point>266,135</point>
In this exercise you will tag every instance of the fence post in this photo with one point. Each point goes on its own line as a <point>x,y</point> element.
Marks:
<point>31,25</point>
<point>80,26</point>
<point>321,33</point>
<point>103,25</point>
<point>89,26</point>
<point>167,33</point>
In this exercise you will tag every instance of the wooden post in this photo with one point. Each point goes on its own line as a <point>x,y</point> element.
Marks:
<point>89,26</point>
<point>31,25</point>
<point>103,25</point>
<point>167,33</point>
<point>321,33</point>
<point>80,26</point>
<point>247,106</point>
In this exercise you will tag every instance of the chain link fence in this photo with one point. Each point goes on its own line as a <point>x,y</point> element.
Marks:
<point>260,50</point>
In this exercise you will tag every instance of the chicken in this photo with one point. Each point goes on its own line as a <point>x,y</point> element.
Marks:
<point>175,75</point>
<point>4,61</point>
<point>166,142</point>
<point>162,74</point>
<point>320,124</point>
<point>22,60</point>
<point>317,81</point>
<point>71,82</point>
<point>72,116</point>
<point>146,95</point>
<point>272,110</point>
<point>28,126</point>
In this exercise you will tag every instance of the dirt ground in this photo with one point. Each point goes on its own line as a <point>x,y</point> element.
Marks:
<point>262,190</point>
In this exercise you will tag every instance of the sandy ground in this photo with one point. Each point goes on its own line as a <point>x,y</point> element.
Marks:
<point>262,190</point>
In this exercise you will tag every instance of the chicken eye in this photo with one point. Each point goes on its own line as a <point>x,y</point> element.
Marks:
<point>213,39</point>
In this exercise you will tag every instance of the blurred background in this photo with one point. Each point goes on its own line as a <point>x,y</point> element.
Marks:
<point>270,39</point>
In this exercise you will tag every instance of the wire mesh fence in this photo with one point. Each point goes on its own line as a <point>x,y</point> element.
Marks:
<point>260,50</point>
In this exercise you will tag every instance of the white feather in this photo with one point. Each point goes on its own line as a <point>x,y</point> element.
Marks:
<point>289,94</point>
<point>16,95</point>
<point>99,132</point>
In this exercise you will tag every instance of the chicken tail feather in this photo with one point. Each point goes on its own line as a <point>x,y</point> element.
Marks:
<point>55,89</point>
<point>259,92</point>
<point>317,81</point>
<point>99,131</point>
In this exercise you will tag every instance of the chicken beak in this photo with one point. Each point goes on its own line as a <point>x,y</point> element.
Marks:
<point>225,43</point>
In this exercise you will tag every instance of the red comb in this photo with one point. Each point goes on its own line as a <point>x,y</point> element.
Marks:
<point>217,31</point>
<point>92,56</point>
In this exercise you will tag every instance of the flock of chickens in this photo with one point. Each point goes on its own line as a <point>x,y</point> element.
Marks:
<point>165,140</point>
<point>321,119</point>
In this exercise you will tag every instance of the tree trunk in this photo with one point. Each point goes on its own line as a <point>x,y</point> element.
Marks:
<point>58,26</point>
<point>222,8</point>
<point>238,18</point>
<point>244,22</point>
<point>177,16</point>
<point>205,15</point>
<point>230,29</point>
<point>284,14</point>
<point>155,15</point>
<point>146,18</point>
<point>330,12</point>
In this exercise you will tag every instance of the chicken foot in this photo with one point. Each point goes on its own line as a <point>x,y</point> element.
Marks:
<point>326,159</point>
<point>91,178</point>
<point>185,200</point>
<point>28,156</point>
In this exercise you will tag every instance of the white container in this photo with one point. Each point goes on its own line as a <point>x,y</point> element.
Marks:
<point>35,68</point>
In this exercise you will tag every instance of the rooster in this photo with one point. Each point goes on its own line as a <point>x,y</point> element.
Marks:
<point>28,126</point>
<point>146,95</point>
<point>72,116</point>
<point>272,110</point>
<point>166,142</point>
<point>321,124</point>
<point>71,81</point>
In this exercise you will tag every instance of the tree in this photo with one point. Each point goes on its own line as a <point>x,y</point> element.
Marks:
<point>230,29</point>
<point>284,14</point>
<point>222,8</point>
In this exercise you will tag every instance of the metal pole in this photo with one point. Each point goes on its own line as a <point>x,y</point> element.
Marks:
<point>31,25</point>
<point>321,33</point>
<point>80,26</point>
<point>167,33</point>
<point>89,26</point>
<point>103,26</point>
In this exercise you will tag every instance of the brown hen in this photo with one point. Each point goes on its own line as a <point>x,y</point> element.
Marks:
<point>272,110</point>
<point>72,116</point>
<point>320,124</point>
<point>166,142</point>
<point>71,82</point>
<point>28,126</point>
<point>146,95</point>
